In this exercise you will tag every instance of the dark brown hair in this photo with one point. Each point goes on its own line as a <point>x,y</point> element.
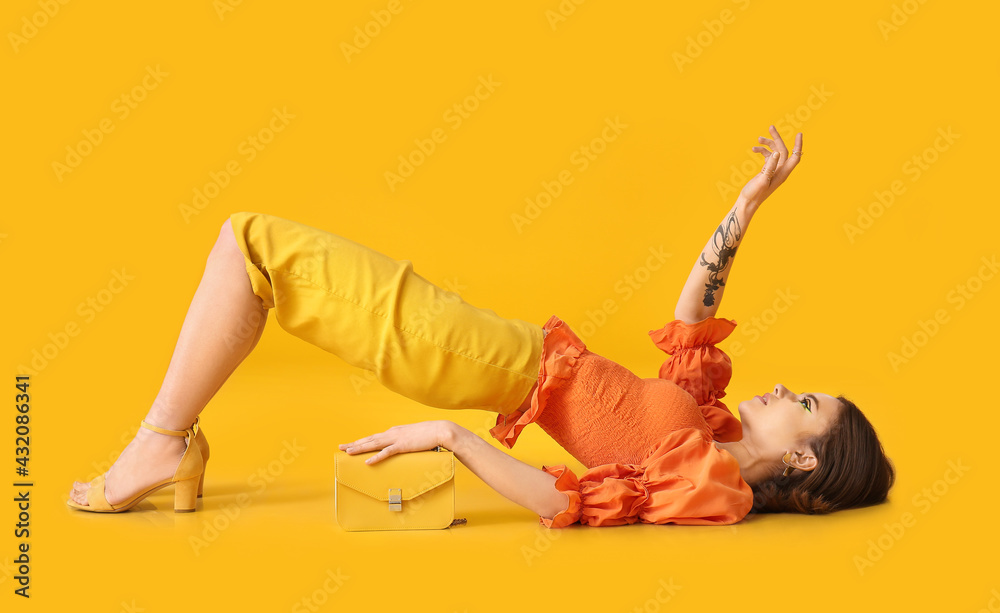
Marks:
<point>852,471</point>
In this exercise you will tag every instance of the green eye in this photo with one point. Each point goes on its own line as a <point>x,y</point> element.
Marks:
<point>805,403</point>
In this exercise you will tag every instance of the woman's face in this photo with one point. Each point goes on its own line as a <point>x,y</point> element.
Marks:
<point>781,421</point>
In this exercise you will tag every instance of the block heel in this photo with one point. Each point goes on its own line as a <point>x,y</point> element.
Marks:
<point>186,495</point>
<point>203,446</point>
<point>201,483</point>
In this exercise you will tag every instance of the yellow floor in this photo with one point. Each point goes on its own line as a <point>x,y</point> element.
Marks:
<point>265,536</point>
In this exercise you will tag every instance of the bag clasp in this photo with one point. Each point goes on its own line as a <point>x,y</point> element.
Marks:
<point>395,499</point>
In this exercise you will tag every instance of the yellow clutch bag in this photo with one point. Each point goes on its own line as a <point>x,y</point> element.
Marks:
<point>406,491</point>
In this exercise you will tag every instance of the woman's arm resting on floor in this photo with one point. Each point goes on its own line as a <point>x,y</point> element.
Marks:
<point>703,290</point>
<point>518,482</point>
<point>526,485</point>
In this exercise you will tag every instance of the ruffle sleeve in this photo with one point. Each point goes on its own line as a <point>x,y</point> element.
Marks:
<point>685,480</point>
<point>701,368</point>
<point>561,348</point>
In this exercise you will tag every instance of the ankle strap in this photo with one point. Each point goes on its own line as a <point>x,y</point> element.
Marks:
<point>145,424</point>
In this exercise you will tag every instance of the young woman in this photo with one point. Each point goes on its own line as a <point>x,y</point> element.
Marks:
<point>657,450</point>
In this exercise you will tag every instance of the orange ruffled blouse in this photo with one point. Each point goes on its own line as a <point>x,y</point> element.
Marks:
<point>648,444</point>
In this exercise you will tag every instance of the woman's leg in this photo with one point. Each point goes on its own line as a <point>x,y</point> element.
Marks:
<point>369,309</point>
<point>222,326</point>
<point>377,313</point>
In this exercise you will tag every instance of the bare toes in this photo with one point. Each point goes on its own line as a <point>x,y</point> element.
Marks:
<point>79,492</point>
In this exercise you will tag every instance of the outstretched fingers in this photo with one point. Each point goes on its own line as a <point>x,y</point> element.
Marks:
<point>778,165</point>
<point>796,150</point>
<point>787,160</point>
<point>771,165</point>
<point>778,143</point>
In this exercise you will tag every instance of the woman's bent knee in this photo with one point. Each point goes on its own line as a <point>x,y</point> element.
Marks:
<point>226,243</point>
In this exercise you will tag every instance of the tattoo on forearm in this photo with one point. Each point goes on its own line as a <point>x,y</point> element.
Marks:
<point>724,245</point>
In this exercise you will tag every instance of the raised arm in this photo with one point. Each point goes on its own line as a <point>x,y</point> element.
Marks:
<point>705,285</point>
<point>703,290</point>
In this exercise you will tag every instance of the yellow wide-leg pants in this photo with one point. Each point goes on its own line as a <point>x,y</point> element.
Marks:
<point>378,314</point>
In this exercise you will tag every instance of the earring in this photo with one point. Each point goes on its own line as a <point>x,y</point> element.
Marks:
<point>784,460</point>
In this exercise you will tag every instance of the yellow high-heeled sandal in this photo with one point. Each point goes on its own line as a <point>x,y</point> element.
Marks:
<point>186,479</point>
<point>203,446</point>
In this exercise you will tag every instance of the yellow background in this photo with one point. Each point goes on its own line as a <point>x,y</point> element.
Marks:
<point>658,185</point>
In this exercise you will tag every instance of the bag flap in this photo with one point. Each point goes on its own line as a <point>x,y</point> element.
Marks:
<point>414,473</point>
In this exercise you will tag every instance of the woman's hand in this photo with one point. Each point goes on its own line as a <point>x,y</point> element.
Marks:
<point>402,439</point>
<point>778,164</point>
